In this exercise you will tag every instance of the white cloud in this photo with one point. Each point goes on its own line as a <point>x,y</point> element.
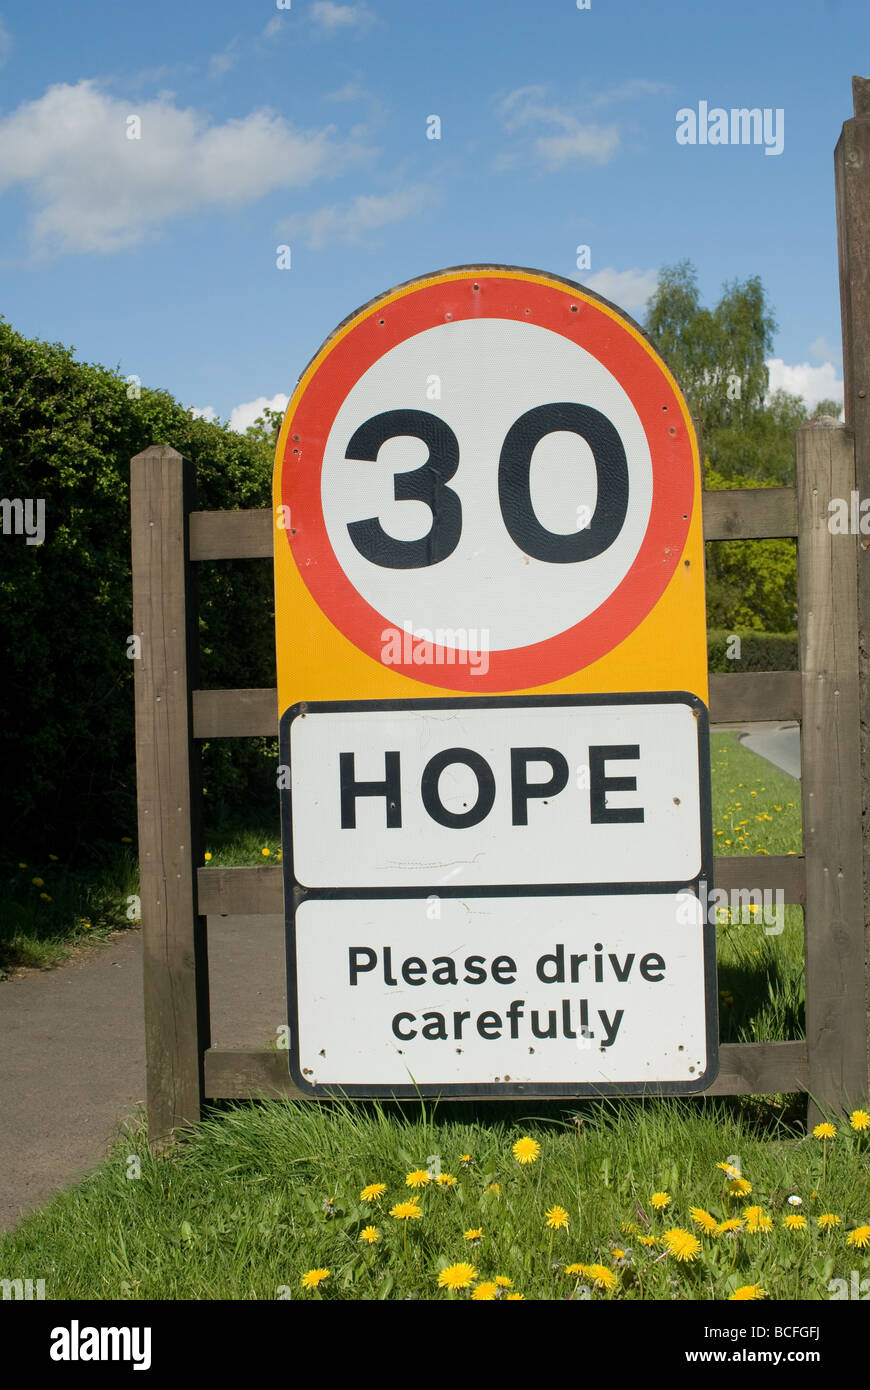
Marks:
<point>821,351</point>
<point>207,412</point>
<point>219,63</point>
<point>527,106</point>
<point>628,289</point>
<point>367,213</point>
<point>333,17</point>
<point>592,142</point>
<point>813,383</point>
<point>6,43</point>
<point>95,190</point>
<point>242,416</point>
<point>630,90</point>
<point>274,27</point>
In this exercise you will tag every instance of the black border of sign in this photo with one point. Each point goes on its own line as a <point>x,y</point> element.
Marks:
<point>295,894</point>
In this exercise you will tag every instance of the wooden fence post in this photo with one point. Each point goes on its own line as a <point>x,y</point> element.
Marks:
<point>852,176</point>
<point>165,619</point>
<point>831,771</point>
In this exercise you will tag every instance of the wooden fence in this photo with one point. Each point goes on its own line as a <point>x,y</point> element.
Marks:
<point>829,696</point>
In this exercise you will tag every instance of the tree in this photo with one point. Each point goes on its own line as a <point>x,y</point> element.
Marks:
<point>719,356</point>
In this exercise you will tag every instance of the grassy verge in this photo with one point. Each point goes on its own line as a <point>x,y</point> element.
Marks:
<point>757,810</point>
<point>49,906</point>
<point>261,1195</point>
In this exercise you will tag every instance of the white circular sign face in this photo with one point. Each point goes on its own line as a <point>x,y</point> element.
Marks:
<point>474,376</point>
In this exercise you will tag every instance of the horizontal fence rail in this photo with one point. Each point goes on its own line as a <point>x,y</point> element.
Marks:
<point>258,889</point>
<point>742,698</point>
<point>732,514</point>
<point>770,1068</point>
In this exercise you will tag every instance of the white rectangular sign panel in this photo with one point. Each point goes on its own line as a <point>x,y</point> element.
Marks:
<point>499,895</point>
<point>598,993</point>
<point>578,791</point>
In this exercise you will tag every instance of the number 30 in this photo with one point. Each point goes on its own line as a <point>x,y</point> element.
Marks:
<point>429,484</point>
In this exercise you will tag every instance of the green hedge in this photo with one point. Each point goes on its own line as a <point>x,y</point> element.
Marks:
<point>759,651</point>
<point>67,433</point>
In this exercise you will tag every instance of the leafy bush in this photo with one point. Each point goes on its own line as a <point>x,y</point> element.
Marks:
<point>67,433</point>
<point>759,651</point>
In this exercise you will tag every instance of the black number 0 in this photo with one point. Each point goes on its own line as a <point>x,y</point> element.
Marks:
<point>428,484</point>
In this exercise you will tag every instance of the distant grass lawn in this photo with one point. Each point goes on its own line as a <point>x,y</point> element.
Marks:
<point>618,1201</point>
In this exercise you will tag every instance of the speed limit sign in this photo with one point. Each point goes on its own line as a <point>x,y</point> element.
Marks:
<point>492,675</point>
<point>487,480</point>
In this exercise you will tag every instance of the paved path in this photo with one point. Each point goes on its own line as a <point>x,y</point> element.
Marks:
<point>780,746</point>
<point>72,1049</point>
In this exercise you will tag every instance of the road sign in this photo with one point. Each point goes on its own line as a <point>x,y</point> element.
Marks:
<point>492,677</point>
<point>487,481</point>
<point>460,865</point>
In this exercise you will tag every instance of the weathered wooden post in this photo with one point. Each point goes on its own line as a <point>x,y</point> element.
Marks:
<point>831,771</point>
<point>165,621</point>
<point>852,172</point>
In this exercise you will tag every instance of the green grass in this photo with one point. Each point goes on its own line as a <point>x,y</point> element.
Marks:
<point>258,1194</point>
<point>50,906</point>
<point>262,1193</point>
<point>761,971</point>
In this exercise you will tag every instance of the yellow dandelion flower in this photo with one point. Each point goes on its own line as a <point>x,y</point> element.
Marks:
<point>729,1170</point>
<point>503,1282</point>
<point>373,1192</point>
<point>859,1119</point>
<point>37,882</point>
<point>474,1234</point>
<point>859,1237</point>
<point>824,1131</point>
<point>682,1244</point>
<point>617,1253</point>
<point>725,1228</point>
<point>703,1219</point>
<point>265,851</point>
<point>602,1277</point>
<point>629,1228</point>
<point>419,1178</point>
<point>465,1160</point>
<point>526,1150</point>
<point>826,1220</point>
<point>46,897</point>
<point>494,1187</point>
<point>514,1297</point>
<point>445,1180</point>
<point>747,1293</point>
<point>125,840</point>
<point>313,1277</point>
<point>647,1240</point>
<point>460,1276</point>
<point>21,864</point>
<point>739,1187</point>
<point>557,1219</point>
<point>575,1269</point>
<point>795,1223</point>
<point>406,1211</point>
<point>369,1234</point>
<point>660,1200</point>
<point>207,855</point>
<point>485,1292</point>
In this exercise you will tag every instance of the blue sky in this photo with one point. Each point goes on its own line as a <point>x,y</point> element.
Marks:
<point>307,126</point>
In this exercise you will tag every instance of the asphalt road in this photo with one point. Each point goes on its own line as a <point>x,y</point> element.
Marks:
<point>72,1044</point>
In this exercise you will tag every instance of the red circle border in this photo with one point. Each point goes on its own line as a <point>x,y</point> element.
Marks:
<point>618,346</point>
